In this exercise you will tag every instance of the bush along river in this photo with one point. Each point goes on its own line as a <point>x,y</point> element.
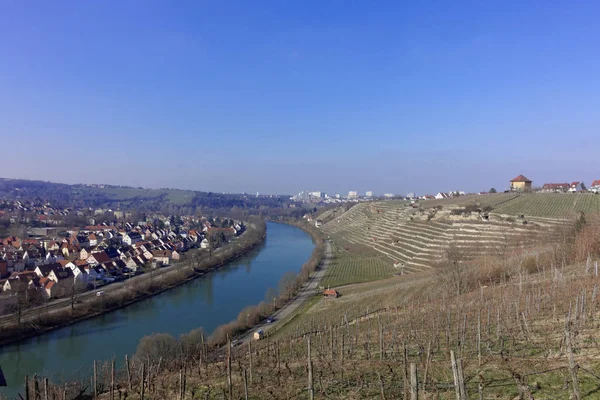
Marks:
<point>212,300</point>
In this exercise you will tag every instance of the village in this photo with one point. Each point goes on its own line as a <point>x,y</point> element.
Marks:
<point>50,262</point>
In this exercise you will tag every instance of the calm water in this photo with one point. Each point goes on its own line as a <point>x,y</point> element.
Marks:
<point>207,302</point>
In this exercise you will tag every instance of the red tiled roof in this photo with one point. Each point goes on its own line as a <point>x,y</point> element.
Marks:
<point>596,182</point>
<point>521,178</point>
<point>101,257</point>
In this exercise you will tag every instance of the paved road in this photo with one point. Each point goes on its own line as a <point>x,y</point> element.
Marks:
<point>309,289</point>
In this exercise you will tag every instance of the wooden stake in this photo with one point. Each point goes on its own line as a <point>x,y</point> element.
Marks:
<point>112,380</point>
<point>95,380</point>
<point>245,385</point>
<point>572,365</point>
<point>461,380</point>
<point>414,383</point>
<point>142,387</point>
<point>229,381</point>
<point>128,372</point>
<point>250,357</point>
<point>26,387</point>
<point>311,390</point>
<point>427,361</point>
<point>455,374</point>
<point>381,387</point>
<point>479,338</point>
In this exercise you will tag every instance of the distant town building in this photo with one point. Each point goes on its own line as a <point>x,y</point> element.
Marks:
<point>388,195</point>
<point>411,195</point>
<point>337,196</point>
<point>576,187</point>
<point>316,194</point>
<point>352,194</point>
<point>520,184</point>
<point>369,194</point>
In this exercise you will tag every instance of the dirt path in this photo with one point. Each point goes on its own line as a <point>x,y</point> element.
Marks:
<point>309,289</point>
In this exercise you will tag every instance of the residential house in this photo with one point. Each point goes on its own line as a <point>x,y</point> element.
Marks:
<point>521,184</point>
<point>442,195</point>
<point>52,257</point>
<point>595,186</point>
<point>98,258</point>
<point>555,187</point>
<point>204,244</point>
<point>331,293</point>
<point>575,187</point>
<point>132,238</point>
<point>84,254</point>
<point>93,239</point>
<point>162,256</point>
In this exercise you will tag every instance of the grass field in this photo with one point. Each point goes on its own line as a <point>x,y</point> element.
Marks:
<point>347,269</point>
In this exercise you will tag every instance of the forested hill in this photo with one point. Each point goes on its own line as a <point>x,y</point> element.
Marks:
<point>122,197</point>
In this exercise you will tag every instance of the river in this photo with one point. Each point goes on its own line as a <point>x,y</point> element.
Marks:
<point>207,302</point>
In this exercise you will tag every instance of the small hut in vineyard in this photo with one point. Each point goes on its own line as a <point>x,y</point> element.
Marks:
<point>331,293</point>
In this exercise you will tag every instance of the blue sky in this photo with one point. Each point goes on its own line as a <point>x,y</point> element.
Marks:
<point>282,96</point>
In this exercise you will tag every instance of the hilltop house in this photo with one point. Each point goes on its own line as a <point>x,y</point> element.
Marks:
<point>576,187</point>
<point>555,187</point>
<point>520,184</point>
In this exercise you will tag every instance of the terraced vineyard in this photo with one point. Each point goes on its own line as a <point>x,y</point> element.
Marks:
<point>415,238</point>
<point>350,269</point>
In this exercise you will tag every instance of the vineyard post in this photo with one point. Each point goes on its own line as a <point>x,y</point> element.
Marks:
<point>311,389</point>
<point>142,383</point>
<point>342,356</point>
<point>229,380</point>
<point>455,374</point>
<point>414,383</point>
<point>112,380</point>
<point>245,385</point>
<point>427,361</point>
<point>405,365</point>
<point>381,353</point>
<point>250,358</point>
<point>128,372</point>
<point>572,364</point>
<point>95,380</point>
<point>479,337</point>
<point>461,380</point>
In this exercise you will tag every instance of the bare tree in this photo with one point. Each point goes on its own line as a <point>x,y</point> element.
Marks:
<point>452,270</point>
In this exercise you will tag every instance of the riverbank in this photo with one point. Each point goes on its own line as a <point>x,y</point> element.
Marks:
<point>294,291</point>
<point>132,291</point>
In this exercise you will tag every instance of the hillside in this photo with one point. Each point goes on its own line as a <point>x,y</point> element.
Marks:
<point>515,316</point>
<point>415,238</point>
<point>140,199</point>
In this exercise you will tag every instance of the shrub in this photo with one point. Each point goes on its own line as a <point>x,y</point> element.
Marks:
<point>157,346</point>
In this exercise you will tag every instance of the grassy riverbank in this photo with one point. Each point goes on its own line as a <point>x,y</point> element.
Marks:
<point>131,291</point>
